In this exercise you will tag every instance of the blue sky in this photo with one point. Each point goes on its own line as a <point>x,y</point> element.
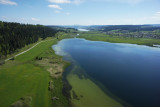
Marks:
<point>81,12</point>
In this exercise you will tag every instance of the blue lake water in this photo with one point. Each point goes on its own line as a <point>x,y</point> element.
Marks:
<point>130,72</point>
<point>84,30</point>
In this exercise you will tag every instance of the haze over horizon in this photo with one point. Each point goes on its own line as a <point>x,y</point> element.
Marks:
<point>81,12</point>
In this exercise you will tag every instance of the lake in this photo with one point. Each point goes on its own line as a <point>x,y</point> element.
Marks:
<point>127,71</point>
<point>84,30</point>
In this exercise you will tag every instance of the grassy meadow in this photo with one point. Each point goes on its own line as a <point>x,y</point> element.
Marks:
<point>24,80</point>
<point>27,80</point>
<point>97,36</point>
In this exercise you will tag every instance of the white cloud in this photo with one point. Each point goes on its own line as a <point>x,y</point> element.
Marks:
<point>137,1</point>
<point>129,1</point>
<point>67,1</point>
<point>78,1</point>
<point>156,16</point>
<point>7,2</point>
<point>60,1</point>
<point>120,1</point>
<point>68,13</point>
<point>35,19</point>
<point>55,6</point>
<point>154,19</point>
<point>57,11</point>
<point>158,13</point>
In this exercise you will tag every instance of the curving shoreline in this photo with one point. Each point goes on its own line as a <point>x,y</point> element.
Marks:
<point>83,90</point>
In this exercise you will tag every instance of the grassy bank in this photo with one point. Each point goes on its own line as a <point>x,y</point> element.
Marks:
<point>34,78</point>
<point>97,36</point>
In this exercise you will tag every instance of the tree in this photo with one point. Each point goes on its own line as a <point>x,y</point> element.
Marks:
<point>14,36</point>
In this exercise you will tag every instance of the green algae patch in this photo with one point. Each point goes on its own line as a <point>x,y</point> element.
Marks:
<point>86,93</point>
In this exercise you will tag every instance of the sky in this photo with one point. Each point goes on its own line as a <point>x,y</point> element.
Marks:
<point>81,12</point>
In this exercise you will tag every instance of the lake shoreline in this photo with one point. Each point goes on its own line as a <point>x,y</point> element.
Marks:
<point>68,87</point>
<point>79,78</point>
<point>82,75</point>
<point>96,36</point>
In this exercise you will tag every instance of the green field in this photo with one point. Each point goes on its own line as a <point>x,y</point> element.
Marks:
<point>97,36</point>
<point>25,77</point>
<point>24,80</point>
<point>37,51</point>
<point>21,78</point>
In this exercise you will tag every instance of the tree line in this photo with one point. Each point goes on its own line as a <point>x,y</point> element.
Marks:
<point>14,36</point>
<point>130,28</point>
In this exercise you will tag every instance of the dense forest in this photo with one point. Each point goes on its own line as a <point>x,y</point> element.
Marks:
<point>14,36</point>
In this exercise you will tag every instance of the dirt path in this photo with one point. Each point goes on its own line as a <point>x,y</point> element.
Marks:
<point>27,50</point>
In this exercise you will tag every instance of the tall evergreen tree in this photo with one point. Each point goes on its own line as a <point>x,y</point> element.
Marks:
<point>14,36</point>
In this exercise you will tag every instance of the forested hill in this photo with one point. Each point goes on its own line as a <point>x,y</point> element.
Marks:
<point>130,28</point>
<point>133,31</point>
<point>14,36</point>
